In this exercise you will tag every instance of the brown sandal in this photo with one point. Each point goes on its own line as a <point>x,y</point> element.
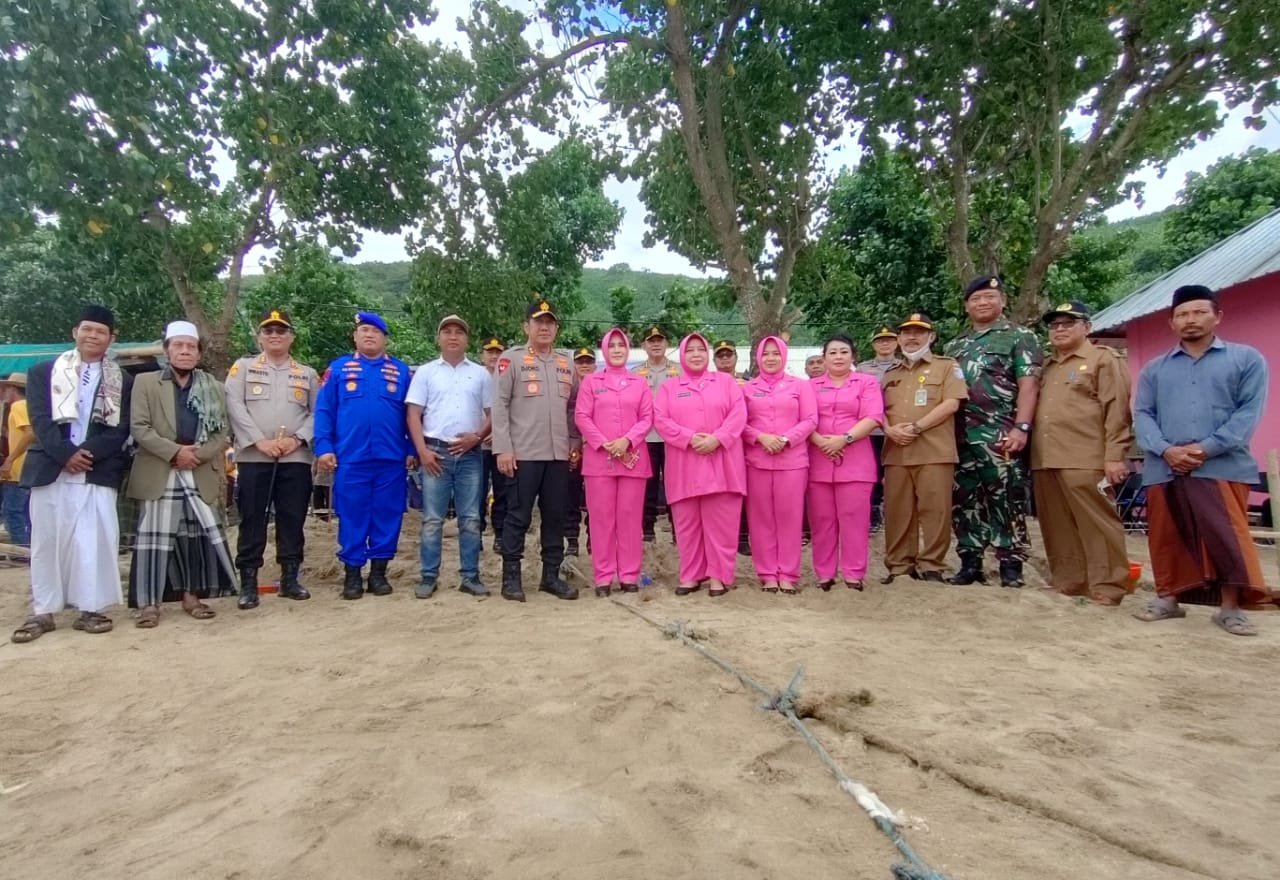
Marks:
<point>33,628</point>
<point>200,611</point>
<point>92,622</point>
<point>148,618</point>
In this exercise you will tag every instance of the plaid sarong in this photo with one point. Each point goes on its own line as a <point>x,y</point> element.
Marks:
<point>180,545</point>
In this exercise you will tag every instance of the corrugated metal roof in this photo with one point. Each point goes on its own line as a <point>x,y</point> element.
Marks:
<point>20,357</point>
<point>1251,253</point>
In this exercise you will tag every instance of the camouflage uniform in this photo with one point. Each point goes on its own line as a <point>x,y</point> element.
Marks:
<point>989,504</point>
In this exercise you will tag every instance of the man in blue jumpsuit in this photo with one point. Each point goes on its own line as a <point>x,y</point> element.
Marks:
<point>361,437</point>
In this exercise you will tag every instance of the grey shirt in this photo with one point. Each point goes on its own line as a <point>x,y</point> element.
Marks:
<point>533,400</point>
<point>655,376</point>
<point>1215,400</point>
<point>263,399</point>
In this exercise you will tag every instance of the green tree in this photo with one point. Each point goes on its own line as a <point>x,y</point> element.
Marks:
<point>118,117</point>
<point>622,304</point>
<point>1027,118</point>
<point>1226,198</point>
<point>49,274</point>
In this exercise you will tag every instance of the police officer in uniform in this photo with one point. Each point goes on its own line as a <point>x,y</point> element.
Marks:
<point>584,364</point>
<point>656,369</point>
<point>922,394</point>
<point>885,344</point>
<point>534,438</point>
<point>362,438</point>
<point>271,402</point>
<point>1083,430</point>
<point>492,479</point>
<point>1001,363</point>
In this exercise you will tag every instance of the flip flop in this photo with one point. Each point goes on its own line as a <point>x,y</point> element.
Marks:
<point>1235,622</point>
<point>1158,610</point>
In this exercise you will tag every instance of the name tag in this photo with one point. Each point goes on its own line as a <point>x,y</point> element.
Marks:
<point>922,397</point>
<point>685,394</point>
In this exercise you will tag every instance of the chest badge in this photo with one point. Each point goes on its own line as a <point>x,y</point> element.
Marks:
<point>257,389</point>
<point>351,386</point>
<point>532,387</point>
<point>298,394</point>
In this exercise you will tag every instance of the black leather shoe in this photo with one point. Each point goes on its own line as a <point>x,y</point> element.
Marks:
<point>825,586</point>
<point>892,576</point>
<point>602,592</point>
<point>685,591</point>
<point>473,587</point>
<point>352,582</point>
<point>553,584</point>
<point>970,572</point>
<point>932,576</point>
<point>630,588</point>
<point>1011,575</point>
<point>248,589</point>
<point>378,583</point>
<point>289,586</point>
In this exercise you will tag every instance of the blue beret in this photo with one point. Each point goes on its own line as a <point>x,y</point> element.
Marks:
<point>373,320</point>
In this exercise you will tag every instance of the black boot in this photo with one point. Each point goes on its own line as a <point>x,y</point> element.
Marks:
<point>1011,574</point>
<point>512,584</point>
<point>551,583</point>
<point>970,572</point>
<point>378,583</point>
<point>289,586</point>
<point>352,582</point>
<point>248,589</point>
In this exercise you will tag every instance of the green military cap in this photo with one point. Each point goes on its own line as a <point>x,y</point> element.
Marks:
<point>494,344</point>
<point>654,332</point>
<point>884,333</point>
<point>584,353</point>
<point>725,345</point>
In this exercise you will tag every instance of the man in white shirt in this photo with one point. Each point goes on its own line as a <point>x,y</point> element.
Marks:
<point>448,420</point>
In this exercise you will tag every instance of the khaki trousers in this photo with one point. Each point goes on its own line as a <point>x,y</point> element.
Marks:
<point>917,516</point>
<point>1083,535</point>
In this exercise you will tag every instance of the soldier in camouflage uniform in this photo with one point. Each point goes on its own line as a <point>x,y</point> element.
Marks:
<point>1001,363</point>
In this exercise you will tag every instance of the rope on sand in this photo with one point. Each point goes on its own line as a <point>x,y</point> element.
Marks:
<point>784,703</point>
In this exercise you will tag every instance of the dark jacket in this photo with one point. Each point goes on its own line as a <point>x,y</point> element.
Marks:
<point>51,448</point>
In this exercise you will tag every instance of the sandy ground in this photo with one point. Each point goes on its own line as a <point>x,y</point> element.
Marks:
<point>1020,735</point>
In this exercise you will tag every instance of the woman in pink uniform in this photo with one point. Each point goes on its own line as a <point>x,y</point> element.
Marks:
<point>842,465</point>
<point>781,414</point>
<point>700,415</point>
<point>614,413</point>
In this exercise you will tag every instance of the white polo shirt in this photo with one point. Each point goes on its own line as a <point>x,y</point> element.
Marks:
<point>453,399</point>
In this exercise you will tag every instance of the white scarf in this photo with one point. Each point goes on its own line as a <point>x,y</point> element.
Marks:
<point>64,390</point>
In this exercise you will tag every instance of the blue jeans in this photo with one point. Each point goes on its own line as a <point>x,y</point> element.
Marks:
<point>460,479</point>
<point>16,505</point>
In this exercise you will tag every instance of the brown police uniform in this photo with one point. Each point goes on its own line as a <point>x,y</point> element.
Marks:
<point>534,397</point>
<point>1082,420</point>
<point>265,402</point>
<point>918,477</point>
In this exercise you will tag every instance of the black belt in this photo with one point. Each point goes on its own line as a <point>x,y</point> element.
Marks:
<point>444,444</point>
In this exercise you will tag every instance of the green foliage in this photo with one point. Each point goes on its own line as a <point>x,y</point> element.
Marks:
<point>880,256</point>
<point>622,304</point>
<point>49,274</point>
<point>1229,196</point>
<point>1028,118</point>
<point>489,293</point>
<point>113,115</point>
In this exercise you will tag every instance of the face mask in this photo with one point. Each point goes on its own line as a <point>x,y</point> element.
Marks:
<point>917,355</point>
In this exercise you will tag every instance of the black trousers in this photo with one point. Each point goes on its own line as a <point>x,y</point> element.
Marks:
<point>655,496</point>
<point>494,479</point>
<point>547,483</point>
<point>290,497</point>
<point>577,500</point>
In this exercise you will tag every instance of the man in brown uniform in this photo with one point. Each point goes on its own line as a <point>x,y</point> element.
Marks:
<point>1082,431</point>
<point>534,438</point>
<point>655,369</point>
<point>921,397</point>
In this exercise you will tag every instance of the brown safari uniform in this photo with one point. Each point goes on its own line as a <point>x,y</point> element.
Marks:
<point>918,477</point>
<point>1082,420</point>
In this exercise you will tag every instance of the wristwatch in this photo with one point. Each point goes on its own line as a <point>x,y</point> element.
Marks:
<point>1024,427</point>
<point>848,437</point>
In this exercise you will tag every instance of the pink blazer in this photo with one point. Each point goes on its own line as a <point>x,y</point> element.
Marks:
<point>612,406</point>
<point>839,409</point>
<point>786,408</point>
<point>710,403</point>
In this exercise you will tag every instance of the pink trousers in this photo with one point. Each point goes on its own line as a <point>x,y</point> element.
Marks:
<point>616,506</point>
<point>775,518</point>
<point>707,536</point>
<point>839,527</point>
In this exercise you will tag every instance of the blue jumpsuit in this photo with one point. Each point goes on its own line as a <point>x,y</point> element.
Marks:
<point>360,418</point>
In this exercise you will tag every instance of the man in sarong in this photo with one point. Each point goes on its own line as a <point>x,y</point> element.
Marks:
<point>1196,409</point>
<point>78,404</point>
<point>179,421</point>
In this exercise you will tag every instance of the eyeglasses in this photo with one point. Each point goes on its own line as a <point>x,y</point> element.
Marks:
<point>1064,325</point>
<point>276,330</point>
